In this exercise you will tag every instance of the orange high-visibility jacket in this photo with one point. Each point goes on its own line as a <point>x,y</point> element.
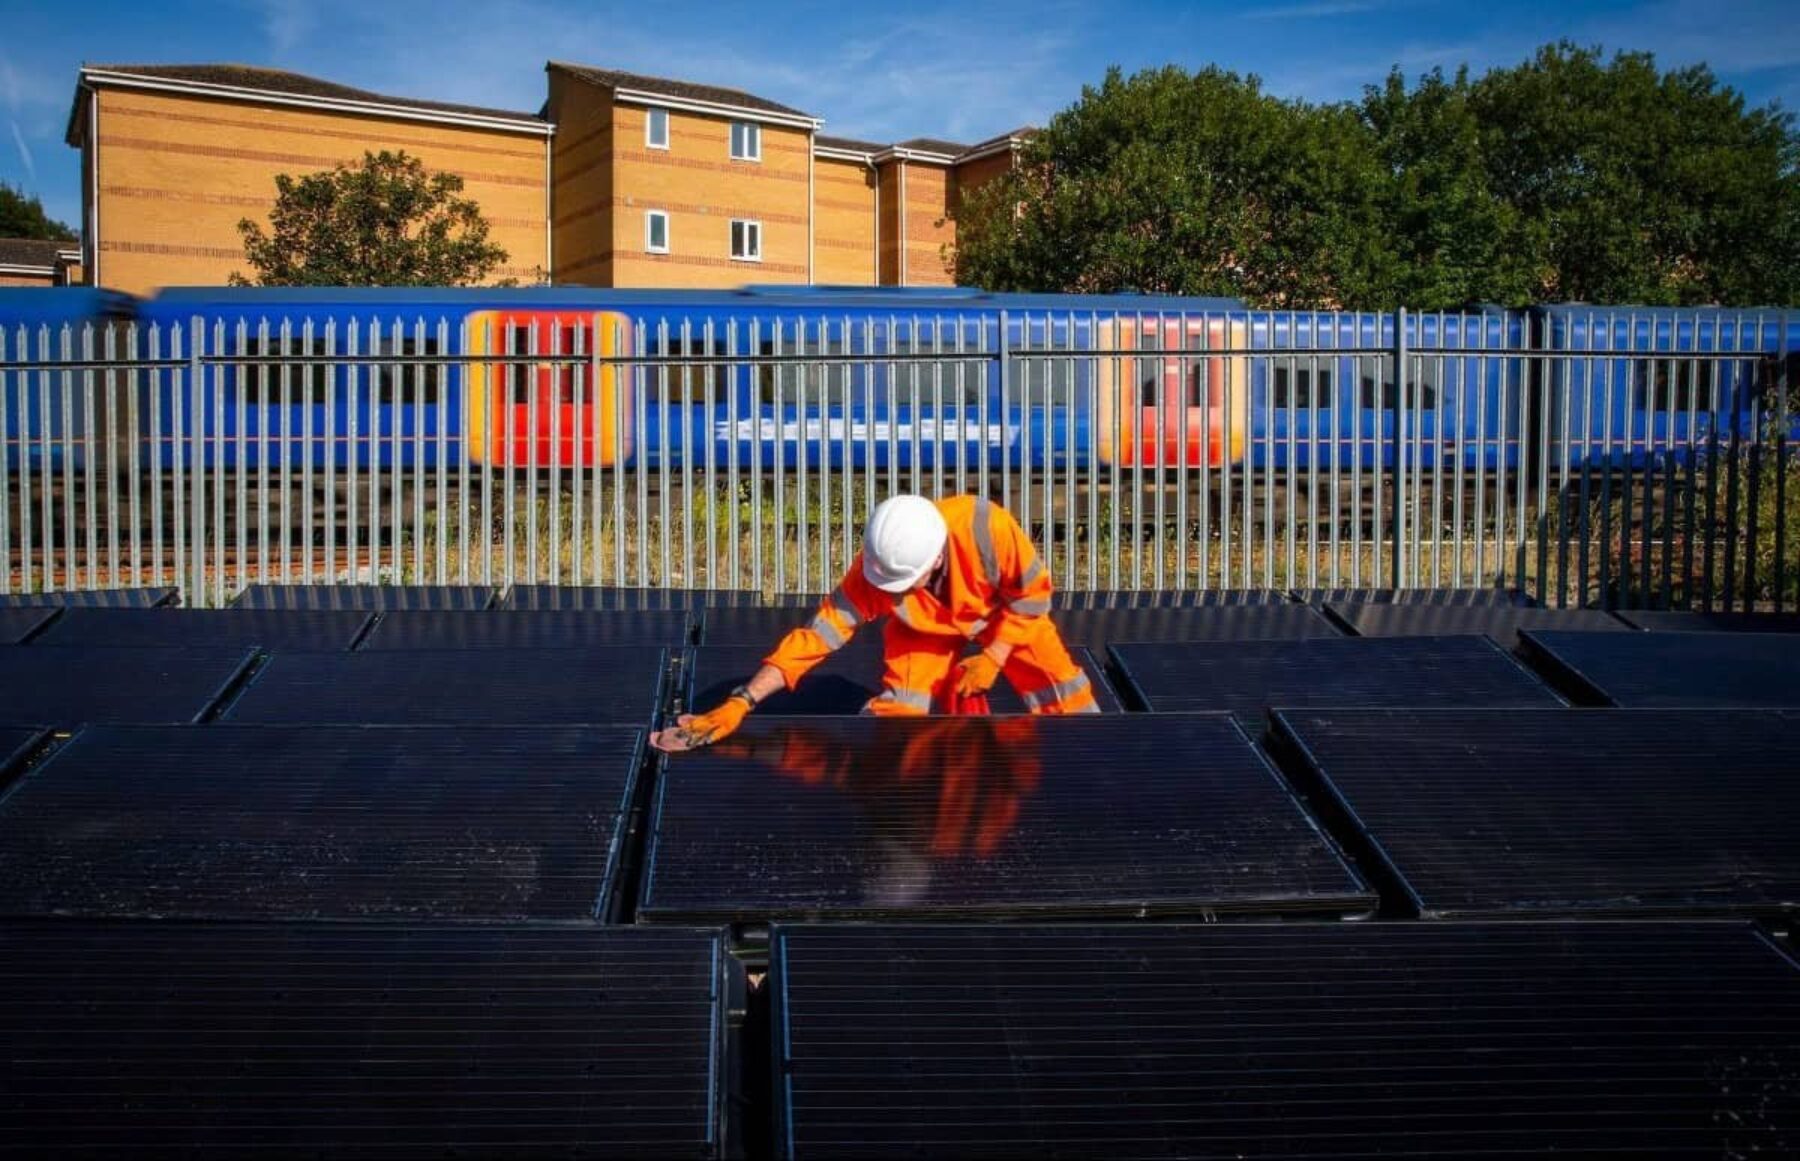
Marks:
<point>998,590</point>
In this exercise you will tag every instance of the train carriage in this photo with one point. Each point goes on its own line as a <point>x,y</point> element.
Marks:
<point>45,414</point>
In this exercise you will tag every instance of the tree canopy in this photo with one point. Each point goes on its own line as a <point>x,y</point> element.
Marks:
<point>383,221</point>
<point>24,217</point>
<point>1567,177</point>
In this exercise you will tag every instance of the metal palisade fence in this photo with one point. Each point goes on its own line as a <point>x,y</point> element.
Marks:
<point>1601,457</point>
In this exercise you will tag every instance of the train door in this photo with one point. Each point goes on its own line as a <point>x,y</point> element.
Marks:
<point>1172,391</point>
<point>537,396</point>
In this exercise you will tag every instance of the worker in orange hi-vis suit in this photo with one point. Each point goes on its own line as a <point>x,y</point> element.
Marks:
<point>945,573</point>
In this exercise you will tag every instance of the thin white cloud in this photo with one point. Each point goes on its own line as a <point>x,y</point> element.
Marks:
<point>1320,8</point>
<point>24,152</point>
<point>287,24</point>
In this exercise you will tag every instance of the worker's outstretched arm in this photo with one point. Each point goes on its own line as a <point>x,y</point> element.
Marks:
<point>852,604</point>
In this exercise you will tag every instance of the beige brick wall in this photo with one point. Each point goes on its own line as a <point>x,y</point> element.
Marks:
<point>176,173</point>
<point>25,280</point>
<point>928,228</point>
<point>581,199</point>
<point>844,199</point>
<point>891,224</point>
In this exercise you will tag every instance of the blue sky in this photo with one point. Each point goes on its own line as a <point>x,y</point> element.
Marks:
<point>962,70</point>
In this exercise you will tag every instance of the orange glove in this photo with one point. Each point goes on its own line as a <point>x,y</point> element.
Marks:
<point>705,729</point>
<point>976,675</point>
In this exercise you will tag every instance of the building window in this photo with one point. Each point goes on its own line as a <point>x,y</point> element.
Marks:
<point>746,141</point>
<point>656,128</point>
<point>656,232</point>
<point>746,240</point>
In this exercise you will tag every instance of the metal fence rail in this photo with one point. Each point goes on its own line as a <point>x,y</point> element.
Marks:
<point>1246,449</point>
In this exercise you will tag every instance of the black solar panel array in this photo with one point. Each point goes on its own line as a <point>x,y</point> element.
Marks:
<point>1100,627</point>
<point>1166,598</point>
<point>1670,669</point>
<point>760,627</point>
<point>268,629</point>
<point>1087,815</point>
<point>615,684</point>
<point>1565,812</point>
<point>64,686</point>
<point>1468,598</point>
<point>1235,1040</point>
<point>529,629</point>
<point>144,598</point>
<point>1248,678</point>
<point>16,624</point>
<point>166,1039</point>
<point>622,599</point>
<point>368,598</point>
<point>1501,622</point>
<point>16,745</point>
<point>332,822</point>
<point>1669,621</point>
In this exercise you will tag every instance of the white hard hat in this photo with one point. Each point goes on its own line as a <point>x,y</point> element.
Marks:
<point>902,542</point>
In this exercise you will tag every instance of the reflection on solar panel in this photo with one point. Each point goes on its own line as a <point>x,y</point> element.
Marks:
<point>1165,598</point>
<point>1250,677</point>
<point>591,597</point>
<point>1670,669</point>
<point>321,822</point>
<point>620,684</point>
<point>18,624</point>
<point>1470,598</point>
<point>1501,622</point>
<point>1579,812</point>
<point>846,680</point>
<point>360,1039</point>
<point>17,743</point>
<point>369,598</point>
<point>528,628</point>
<point>760,627</point>
<point>65,686</point>
<point>1300,1039</point>
<point>1080,815</point>
<point>92,599</point>
<point>1666,621</point>
<point>1098,628</point>
<point>271,629</point>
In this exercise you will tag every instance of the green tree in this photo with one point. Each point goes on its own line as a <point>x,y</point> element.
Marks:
<point>24,217</point>
<point>1178,183</point>
<point>384,221</point>
<point>1635,185</point>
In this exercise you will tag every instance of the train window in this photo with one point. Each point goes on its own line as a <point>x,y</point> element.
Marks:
<point>1673,384</point>
<point>1422,390</point>
<point>1302,387</point>
<point>959,381</point>
<point>687,381</point>
<point>1039,369</point>
<point>565,346</point>
<point>810,375</point>
<point>408,383</point>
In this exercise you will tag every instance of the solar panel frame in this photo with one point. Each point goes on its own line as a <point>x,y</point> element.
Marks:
<point>19,625</point>
<point>1716,621</point>
<point>272,630</point>
<point>32,674</point>
<point>1494,598</point>
<point>365,598</point>
<point>232,822</point>
<point>355,1039</point>
<point>1500,622</point>
<point>1587,813</point>
<point>349,686</point>
<point>17,743</point>
<point>614,598</point>
<point>1669,670</point>
<point>528,629</point>
<point>140,598</point>
<point>857,818</point>
<point>1301,1039</point>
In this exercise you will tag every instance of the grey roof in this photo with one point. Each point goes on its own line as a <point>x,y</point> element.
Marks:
<point>849,143</point>
<point>931,145</point>
<point>295,84</point>
<point>33,251</point>
<point>684,90</point>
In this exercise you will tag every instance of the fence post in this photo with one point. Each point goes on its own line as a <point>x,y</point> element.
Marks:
<point>1397,559</point>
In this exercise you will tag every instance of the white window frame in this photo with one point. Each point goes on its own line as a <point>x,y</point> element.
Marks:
<point>751,227</point>
<point>650,117</point>
<point>650,246</point>
<point>752,137</point>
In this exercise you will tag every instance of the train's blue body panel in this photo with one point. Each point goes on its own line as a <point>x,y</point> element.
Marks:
<point>41,323</point>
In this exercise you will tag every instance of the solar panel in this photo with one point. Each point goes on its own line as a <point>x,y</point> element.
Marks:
<point>16,624</point>
<point>1467,598</point>
<point>758,627</point>
<point>1247,678</point>
<point>93,599</point>
<point>1297,1039</point>
<point>867,816</point>
<point>617,684</point>
<point>593,597</point>
<point>17,743</point>
<point>65,686</point>
<point>845,681</point>
<point>528,629</point>
<point>1098,628</point>
<point>793,600</point>
<point>321,822</point>
<point>1571,812</point>
<point>367,598</point>
<point>1501,622</point>
<point>359,1039</point>
<point>1669,621</point>
<point>1670,669</point>
<point>1165,598</point>
<point>270,629</point>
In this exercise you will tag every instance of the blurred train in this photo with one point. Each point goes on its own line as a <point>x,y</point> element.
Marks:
<point>786,378</point>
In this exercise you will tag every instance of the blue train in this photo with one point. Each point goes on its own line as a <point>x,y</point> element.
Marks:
<point>785,377</point>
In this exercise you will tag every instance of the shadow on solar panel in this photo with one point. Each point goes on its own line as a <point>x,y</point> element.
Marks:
<point>92,599</point>
<point>1669,669</point>
<point>621,599</point>
<point>367,598</point>
<point>268,629</point>
<point>1466,598</point>
<point>18,624</point>
<point>528,628</point>
<point>1165,598</point>
<point>1500,622</point>
<point>1097,628</point>
<point>1669,621</point>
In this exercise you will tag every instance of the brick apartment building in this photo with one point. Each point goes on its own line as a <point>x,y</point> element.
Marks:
<point>620,180</point>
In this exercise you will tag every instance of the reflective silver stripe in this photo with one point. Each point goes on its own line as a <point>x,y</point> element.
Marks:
<point>1031,608</point>
<point>910,698</point>
<point>901,615</point>
<point>823,627</point>
<point>1031,574</point>
<point>984,542</point>
<point>1055,693</point>
<point>977,627</point>
<point>840,600</point>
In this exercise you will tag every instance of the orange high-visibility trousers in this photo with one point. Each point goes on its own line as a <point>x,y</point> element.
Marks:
<point>918,668</point>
